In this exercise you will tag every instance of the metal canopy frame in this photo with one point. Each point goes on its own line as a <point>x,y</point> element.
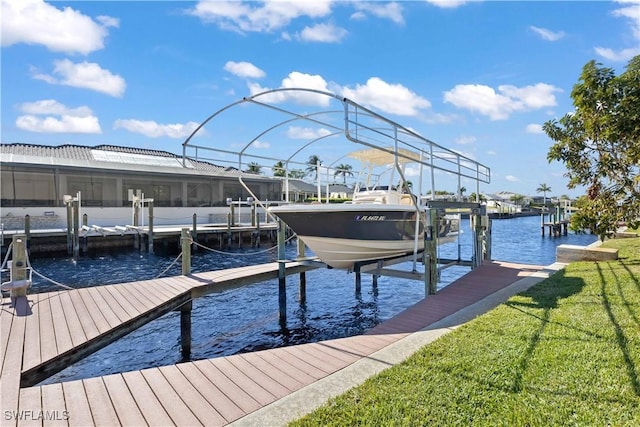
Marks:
<point>357,123</point>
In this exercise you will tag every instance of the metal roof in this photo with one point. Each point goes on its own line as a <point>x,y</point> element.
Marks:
<point>114,158</point>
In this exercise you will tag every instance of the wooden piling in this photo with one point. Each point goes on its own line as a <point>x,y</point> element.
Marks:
<point>150,227</point>
<point>76,231</point>
<point>27,230</point>
<point>185,329</point>
<point>18,266</point>
<point>303,276</point>
<point>430,253</point>
<point>282,284</point>
<point>186,252</point>
<point>194,233</point>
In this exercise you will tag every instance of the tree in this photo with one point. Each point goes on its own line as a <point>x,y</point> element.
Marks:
<point>517,199</point>
<point>278,169</point>
<point>254,168</point>
<point>297,173</point>
<point>344,170</point>
<point>461,192</point>
<point>544,189</point>
<point>599,143</point>
<point>481,197</point>
<point>313,163</point>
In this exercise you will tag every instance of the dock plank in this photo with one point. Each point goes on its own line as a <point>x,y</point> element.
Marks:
<point>193,399</point>
<point>225,406</point>
<point>12,362</point>
<point>77,405</point>
<point>262,396</point>
<point>136,298</point>
<point>123,302</point>
<point>102,410</point>
<point>146,399</point>
<point>235,393</point>
<point>277,383</point>
<point>48,346</point>
<point>110,314</point>
<point>169,398</point>
<point>30,407</point>
<point>61,328</point>
<point>53,406</point>
<point>84,316</point>
<point>123,402</point>
<point>99,320</point>
<point>31,351</point>
<point>74,324</point>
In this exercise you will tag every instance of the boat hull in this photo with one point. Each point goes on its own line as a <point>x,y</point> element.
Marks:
<point>341,235</point>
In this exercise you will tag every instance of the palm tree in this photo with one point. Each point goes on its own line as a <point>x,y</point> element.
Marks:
<point>254,168</point>
<point>462,190</point>
<point>544,188</point>
<point>313,163</point>
<point>278,169</point>
<point>344,170</point>
<point>517,199</point>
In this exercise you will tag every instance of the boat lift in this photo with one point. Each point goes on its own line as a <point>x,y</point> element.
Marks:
<point>277,111</point>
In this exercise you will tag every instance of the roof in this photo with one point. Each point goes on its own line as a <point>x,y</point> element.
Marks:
<point>113,157</point>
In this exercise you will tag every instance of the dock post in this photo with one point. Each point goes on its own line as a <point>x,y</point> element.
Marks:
<point>185,329</point>
<point>69,227</point>
<point>486,238</point>
<point>194,233</point>
<point>282,283</point>
<point>151,227</point>
<point>430,253</point>
<point>257,231</point>
<point>477,240</point>
<point>27,230</point>
<point>76,226</point>
<point>356,270</point>
<point>229,224</point>
<point>18,267</point>
<point>186,252</point>
<point>253,214</point>
<point>303,275</point>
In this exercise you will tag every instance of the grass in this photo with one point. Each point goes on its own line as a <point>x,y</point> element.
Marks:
<point>565,352</point>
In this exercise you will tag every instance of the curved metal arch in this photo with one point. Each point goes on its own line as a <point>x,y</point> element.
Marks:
<point>297,117</point>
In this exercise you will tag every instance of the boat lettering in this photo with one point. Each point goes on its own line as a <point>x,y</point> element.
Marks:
<point>370,218</point>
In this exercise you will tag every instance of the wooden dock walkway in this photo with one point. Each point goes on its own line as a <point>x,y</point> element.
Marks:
<point>209,392</point>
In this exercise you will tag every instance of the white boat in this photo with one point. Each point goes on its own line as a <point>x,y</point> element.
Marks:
<point>381,221</point>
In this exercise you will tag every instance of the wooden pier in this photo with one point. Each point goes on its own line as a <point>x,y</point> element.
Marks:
<point>43,333</point>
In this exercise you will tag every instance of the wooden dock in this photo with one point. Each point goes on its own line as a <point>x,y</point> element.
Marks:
<point>46,331</point>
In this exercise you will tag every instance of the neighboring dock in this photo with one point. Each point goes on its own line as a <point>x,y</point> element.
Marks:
<point>43,333</point>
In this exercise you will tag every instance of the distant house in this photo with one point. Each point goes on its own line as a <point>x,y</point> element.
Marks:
<point>40,175</point>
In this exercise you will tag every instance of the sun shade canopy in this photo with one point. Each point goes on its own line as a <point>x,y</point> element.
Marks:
<point>378,157</point>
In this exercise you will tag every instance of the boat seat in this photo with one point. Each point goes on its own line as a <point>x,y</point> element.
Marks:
<point>406,199</point>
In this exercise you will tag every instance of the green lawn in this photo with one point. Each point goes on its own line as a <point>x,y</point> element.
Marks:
<point>566,352</point>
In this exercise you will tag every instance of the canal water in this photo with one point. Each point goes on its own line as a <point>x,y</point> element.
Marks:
<point>246,319</point>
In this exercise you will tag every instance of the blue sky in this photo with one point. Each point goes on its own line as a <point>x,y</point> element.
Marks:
<point>477,77</point>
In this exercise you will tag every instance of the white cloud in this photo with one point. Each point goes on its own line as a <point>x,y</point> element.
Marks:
<point>386,97</point>
<point>463,140</point>
<point>499,105</point>
<point>631,12</point>
<point>296,132</point>
<point>447,4</point>
<point>621,55</point>
<point>60,30</point>
<point>86,75</point>
<point>156,130</point>
<point>511,178</point>
<point>534,128</point>
<point>296,79</point>
<point>323,33</point>
<point>70,120</point>
<point>244,69</point>
<point>51,106</point>
<point>492,153</point>
<point>260,144</point>
<point>258,17</point>
<point>392,10</point>
<point>547,34</point>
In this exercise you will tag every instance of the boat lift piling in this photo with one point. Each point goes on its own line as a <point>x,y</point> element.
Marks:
<point>282,281</point>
